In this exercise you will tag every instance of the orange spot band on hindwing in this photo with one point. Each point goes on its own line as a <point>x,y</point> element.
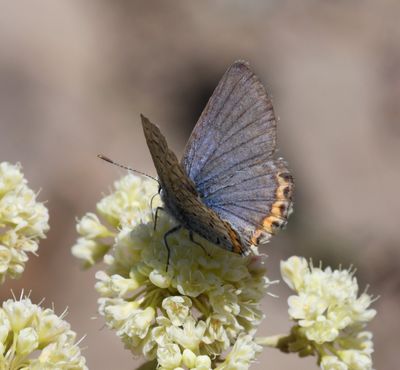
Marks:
<point>280,209</point>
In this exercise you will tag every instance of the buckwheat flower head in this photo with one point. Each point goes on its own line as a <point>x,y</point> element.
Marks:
<point>330,316</point>
<point>35,338</point>
<point>206,305</point>
<point>23,221</point>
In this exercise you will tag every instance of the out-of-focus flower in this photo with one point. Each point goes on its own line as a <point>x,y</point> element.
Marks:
<point>23,221</point>
<point>127,206</point>
<point>243,352</point>
<point>35,338</point>
<point>330,316</point>
<point>206,304</point>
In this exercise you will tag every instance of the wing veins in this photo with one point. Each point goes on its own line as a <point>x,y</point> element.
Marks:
<point>222,107</point>
<point>234,165</point>
<point>242,128</point>
<point>248,200</point>
<point>237,146</point>
<point>235,184</point>
<point>236,215</point>
<point>229,115</point>
<point>262,212</point>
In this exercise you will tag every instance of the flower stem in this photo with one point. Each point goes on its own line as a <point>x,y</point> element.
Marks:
<point>272,341</point>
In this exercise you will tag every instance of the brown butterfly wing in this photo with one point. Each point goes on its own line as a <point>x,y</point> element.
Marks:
<point>180,196</point>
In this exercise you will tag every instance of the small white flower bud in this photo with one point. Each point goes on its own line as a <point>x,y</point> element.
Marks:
<point>90,227</point>
<point>177,309</point>
<point>27,341</point>
<point>189,358</point>
<point>170,356</point>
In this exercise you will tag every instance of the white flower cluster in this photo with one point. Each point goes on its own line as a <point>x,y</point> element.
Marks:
<point>205,305</point>
<point>127,206</point>
<point>330,316</point>
<point>33,338</point>
<point>23,221</point>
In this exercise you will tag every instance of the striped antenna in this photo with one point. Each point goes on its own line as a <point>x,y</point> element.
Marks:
<point>104,158</point>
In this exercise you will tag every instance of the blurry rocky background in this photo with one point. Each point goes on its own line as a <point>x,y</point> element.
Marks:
<point>75,74</point>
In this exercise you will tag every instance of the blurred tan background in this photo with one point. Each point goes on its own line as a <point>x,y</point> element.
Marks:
<point>75,74</point>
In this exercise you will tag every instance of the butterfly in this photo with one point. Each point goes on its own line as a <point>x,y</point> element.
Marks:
<point>228,188</point>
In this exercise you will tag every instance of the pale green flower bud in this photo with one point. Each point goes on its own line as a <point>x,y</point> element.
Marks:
<point>5,259</point>
<point>159,333</point>
<point>224,299</point>
<point>27,341</point>
<point>189,358</point>
<point>49,326</point>
<point>191,283</point>
<point>242,354</point>
<point>356,360</point>
<point>90,251</point>
<point>190,335</point>
<point>177,309</point>
<point>216,330</point>
<point>293,271</point>
<point>90,227</point>
<point>160,279</point>
<point>123,286</point>
<point>20,313</point>
<point>5,326</point>
<point>119,310</point>
<point>321,330</point>
<point>169,357</point>
<point>332,363</point>
<point>140,322</point>
<point>203,363</point>
<point>10,177</point>
<point>306,307</point>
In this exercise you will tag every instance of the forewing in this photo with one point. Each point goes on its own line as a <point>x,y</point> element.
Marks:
<point>237,129</point>
<point>169,170</point>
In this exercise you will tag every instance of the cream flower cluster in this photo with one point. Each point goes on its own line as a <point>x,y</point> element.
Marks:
<point>33,338</point>
<point>23,221</point>
<point>127,206</point>
<point>330,316</point>
<point>205,305</point>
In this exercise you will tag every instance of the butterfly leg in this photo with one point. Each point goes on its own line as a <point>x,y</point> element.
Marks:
<point>169,232</point>
<point>151,200</point>
<point>191,237</point>
<point>156,216</point>
<point>157,209</point>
